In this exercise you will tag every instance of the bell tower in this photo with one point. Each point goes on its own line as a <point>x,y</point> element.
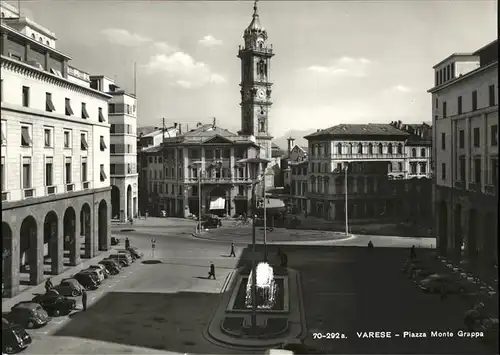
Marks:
<point>255,84</point>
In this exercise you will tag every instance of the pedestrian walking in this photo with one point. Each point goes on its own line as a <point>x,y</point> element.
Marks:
<point>127,243</point>
<point>48,285</point>
<point>233,254</point>
<point>284,260</point>
<point>146,215</point>
<point>84,300</point>
<point>413,254</point>
<point>370,245</point>
<point>211,273</point>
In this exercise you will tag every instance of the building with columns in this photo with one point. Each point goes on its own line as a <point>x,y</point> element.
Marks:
<point>122,116</point>
<point>205,157</point>
<point>55,170</point>
<point>370,152</point>
<point>465,150</point>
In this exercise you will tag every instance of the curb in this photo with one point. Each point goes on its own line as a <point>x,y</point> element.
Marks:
<point>226,282</point>
<point>269,242</point>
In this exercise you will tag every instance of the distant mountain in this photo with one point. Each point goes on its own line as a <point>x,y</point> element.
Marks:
<point>298,135</point>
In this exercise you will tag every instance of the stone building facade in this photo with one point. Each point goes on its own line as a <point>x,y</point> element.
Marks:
<point>55,160</point>
<point>465,150</point>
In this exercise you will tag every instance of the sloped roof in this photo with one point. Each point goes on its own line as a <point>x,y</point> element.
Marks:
<point>375,129</point>
<point>153,149</point>
<point>205,133</point>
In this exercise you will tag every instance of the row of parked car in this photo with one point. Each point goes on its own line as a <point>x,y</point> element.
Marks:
<point>440,276</point>
<point>57,300</point>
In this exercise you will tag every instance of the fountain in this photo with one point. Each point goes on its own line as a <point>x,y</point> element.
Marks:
<point>266,287</point>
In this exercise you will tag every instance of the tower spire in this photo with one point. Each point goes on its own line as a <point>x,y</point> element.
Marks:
<point>255,13</point>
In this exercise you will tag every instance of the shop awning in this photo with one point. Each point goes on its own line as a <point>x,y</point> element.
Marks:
<point>217,203</point>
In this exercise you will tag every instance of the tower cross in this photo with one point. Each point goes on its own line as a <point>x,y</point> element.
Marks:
<point>255,8</point>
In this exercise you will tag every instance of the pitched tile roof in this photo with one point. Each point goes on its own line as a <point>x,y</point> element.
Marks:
<point>204,133</point>
<point>375,129</point>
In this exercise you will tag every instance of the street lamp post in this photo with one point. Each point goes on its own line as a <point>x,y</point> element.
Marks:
<point>255,163</point>
<point>346,205</point>
<point>199,165</point>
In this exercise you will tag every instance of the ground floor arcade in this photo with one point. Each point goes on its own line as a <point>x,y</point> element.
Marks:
<point>359,208</point>
<point>124,197</point>
<point>57,230</point>
<point>466,225</point>
<point>223,200</point>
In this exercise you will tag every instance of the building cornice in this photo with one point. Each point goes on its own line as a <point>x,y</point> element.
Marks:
<point>13,31</point>
<point>52,115</point>
<point>35,73</point>
<point>463,77</point>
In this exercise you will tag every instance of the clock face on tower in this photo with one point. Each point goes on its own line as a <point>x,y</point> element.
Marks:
<point>261,94</point>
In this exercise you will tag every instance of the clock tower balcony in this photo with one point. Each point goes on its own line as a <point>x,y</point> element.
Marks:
<point>255,52</point>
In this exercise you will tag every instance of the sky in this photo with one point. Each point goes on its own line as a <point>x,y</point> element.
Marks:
<point>335,61</point>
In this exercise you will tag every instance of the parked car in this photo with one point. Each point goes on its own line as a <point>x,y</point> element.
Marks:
<point>55,304</point>
<point>115,241</point>
<point>135,251</point>
<point>120,258</point>
<point>442,282</point>
<point>14,337</point>
<point>69,287</point>
<point>102,268</point>
<point>28,314</point>
<point>210,221</point>
<point>110,265</point>
<point>128,255</point>
<point>87,280</point>
<point>97,272</point>
<point>422,273</point>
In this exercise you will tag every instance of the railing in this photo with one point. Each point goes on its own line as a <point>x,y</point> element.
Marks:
<point>460,185</point>
<point>5,196</point>
<point>490,190</point>
<point>474,187</point>
<point>51,190</point>
<point>205,180</point>
<point>29,193</point>
<point>362,156</point>
<point>85,185</point>
<point>69,187</point>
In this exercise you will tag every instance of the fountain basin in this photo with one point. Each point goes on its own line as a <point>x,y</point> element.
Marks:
<point>237,301</point>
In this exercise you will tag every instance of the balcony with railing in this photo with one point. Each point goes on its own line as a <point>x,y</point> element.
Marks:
<point>5,196</point>
<point>368,156</point>
<point>51,190</point>
<point>70,187</point>
<point>85,185</point>
<point>29,193</point>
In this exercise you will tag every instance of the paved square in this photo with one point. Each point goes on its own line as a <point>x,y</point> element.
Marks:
<point>349,290</point>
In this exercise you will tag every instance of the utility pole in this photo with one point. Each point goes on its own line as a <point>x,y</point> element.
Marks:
<point>162,146</point>
<point>135,79</point>
<point>346,205</point>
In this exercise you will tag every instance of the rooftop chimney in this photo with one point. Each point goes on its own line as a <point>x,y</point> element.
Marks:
<point>198,124</point>
<point>399,124</point>
<point>290,143</point>
<point>214,123</point>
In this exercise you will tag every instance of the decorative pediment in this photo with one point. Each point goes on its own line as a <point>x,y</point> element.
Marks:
<point>217,139</point>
